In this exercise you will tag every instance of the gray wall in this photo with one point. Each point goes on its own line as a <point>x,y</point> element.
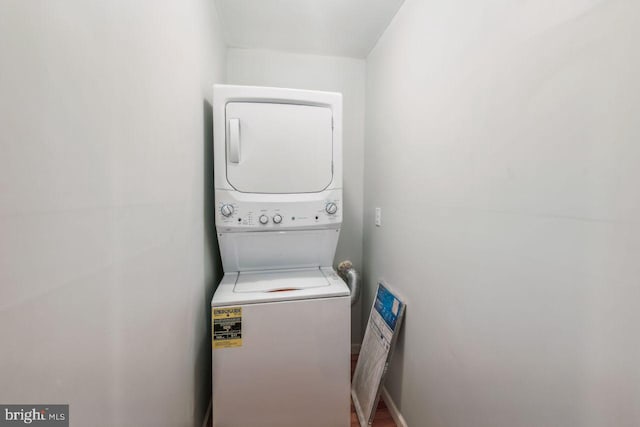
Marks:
<point>502,143</point>
<point>345,75</point>
<point>106,241</point>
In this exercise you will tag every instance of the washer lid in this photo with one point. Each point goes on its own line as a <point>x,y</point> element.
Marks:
<point>278,285</point>
<point>280,280</point>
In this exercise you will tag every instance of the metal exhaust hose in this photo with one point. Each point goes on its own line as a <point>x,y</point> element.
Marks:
<point>352,277</point>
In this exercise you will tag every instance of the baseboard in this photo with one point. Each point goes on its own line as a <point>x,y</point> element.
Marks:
<point>207,415</point>
<point>355,348</point>
<point>393,409</point>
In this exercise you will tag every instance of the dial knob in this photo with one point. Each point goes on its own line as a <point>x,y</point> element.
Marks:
<point>263,219</point>
<point>226,210</point>
<point>277,219</point>
<point>331,208</point>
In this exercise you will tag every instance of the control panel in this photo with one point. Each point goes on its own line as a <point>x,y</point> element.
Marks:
<point>241,215</point>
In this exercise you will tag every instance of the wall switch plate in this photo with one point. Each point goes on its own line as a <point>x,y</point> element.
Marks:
<point>378,219</point>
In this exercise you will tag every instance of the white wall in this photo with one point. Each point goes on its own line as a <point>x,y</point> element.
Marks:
<point>106,241</point>
<point>502,143</point>
<point>338,74</point>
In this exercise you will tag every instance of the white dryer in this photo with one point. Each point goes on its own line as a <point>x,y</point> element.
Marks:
<point>281,315</point>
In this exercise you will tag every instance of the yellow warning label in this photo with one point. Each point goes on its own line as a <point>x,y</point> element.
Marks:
<point>227,327</point>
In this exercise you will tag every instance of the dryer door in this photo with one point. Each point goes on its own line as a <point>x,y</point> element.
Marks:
<point>278,148</point>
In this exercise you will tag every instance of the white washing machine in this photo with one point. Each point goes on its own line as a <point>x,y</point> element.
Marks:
<point>280,315</point>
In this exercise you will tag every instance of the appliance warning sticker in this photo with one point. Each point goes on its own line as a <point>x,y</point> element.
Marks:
<point>227,327</point>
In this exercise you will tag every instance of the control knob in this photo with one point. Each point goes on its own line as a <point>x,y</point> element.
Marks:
<point>331,208</point>
<point>226,210</point>
<point>263,219</point>
<point>277,219</point>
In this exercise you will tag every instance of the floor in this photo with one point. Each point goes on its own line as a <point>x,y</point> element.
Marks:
<point>382,418</point>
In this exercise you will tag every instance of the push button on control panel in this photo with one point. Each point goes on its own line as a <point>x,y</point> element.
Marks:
<point>263,219</point>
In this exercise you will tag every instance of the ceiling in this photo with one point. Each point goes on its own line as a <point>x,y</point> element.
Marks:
<point>326,27</point>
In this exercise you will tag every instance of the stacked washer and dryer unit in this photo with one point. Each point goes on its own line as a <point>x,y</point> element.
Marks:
<point>278,193</point>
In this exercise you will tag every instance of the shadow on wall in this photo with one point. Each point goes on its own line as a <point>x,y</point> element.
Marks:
<point>202,372</point>
<point>213,250</point>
